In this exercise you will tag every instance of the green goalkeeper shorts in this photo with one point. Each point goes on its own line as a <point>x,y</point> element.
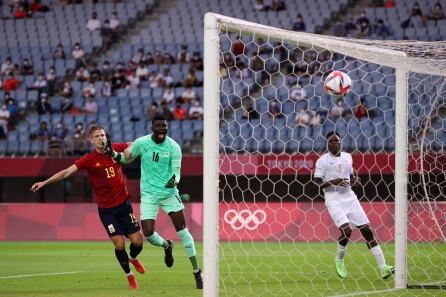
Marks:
<point>150,206</point>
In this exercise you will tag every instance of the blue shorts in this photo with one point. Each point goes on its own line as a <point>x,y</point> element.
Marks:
<point>119,220</point>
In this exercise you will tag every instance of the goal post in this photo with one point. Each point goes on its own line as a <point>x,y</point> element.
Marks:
<point>244,150</point>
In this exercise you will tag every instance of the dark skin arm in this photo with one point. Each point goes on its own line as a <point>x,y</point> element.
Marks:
<point>354,179</point>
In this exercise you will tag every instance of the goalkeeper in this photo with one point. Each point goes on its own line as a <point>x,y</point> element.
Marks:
<point>160,174</point>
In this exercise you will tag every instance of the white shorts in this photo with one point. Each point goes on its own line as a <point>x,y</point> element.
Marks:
<point>348,212</point>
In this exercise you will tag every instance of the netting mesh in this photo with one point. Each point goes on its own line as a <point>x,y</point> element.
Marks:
<point>276,237</point>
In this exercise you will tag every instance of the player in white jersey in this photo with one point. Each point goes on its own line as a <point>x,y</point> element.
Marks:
<point>335,175</point>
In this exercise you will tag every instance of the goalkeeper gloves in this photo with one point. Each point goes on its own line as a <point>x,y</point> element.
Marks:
<point>108,150</point>
<point>171,183</point>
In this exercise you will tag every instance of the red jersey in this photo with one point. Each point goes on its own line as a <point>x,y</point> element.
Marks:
<point>106,177</point>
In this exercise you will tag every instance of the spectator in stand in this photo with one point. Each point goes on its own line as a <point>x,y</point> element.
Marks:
<point>91,107</point>
<point>40,84</point>
<point>27,67</point>
<point>119,80</point>
<point>179,112</point>
<point>363,25</point>
<point>154,79</point>
<point>260,6</point>
<point>76,144</point>
<point>66,105</point>
<point>297,92</point>
<point>188,95</point>
<point>107,35</point>
<point>303,118</point>
<point>59,52</point>
<point>315,118</point>
<point>89,89</point>
<point>7,66</point>
<point>13,109</point>
<point>43,106</point>
<point>362,111</point>
<point>21,12</point>
<point>168,59</point>
<point>196,61</point>
<point>114,22</point>
<point>42,133</point>
<point>66,90</point>
<point>54,148</point>
<point>381,30</point>
<point>142,71</point>
<point>93,23</point>
<point>106,89</point>
<point>78,55</point>
<point>436,13</point>
<point>255,63</point>
<point>157,58</point>
<point>377,3</point>
<point>95,73</point>
<point>166,112</point>
<point>350,28</point>
<point>278,5</point>
<point>82,74</point>
<point>238,47</point>
<point>415,19</point>
<point>137,58</point>
<point>168,95</point>
<point>107,72</point>
<point>339,29</point>
<point>191,80</point>
<point>133,80</point>
<point>337,110</point>
<point>147,59</point>
<point>390,4</point>
<point>166,79</point>
<point>249,112</point>
<point>274,109</point>
<point>11,83</point>
<point>51,80</point>
<point>299,24</point>
<point>153,111</point>
<point>60,131</point>
<point>183,56</point>
<point>37,6</point>
<point>4,120</point>
<point>196,111</point>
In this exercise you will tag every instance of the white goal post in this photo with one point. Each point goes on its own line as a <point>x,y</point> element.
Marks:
<point>400,55</point>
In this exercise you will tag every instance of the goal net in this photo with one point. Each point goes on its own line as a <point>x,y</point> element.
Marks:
<point>266,228</point>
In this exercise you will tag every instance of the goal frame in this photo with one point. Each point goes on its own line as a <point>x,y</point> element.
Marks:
<point>211,155</point>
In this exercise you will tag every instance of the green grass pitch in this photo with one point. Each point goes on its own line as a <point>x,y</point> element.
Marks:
<point>90,269</point>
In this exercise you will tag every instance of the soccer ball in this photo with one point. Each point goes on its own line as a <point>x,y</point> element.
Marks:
<point>337,84</point>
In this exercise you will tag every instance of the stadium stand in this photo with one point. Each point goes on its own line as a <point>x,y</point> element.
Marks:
<point>124,109</point>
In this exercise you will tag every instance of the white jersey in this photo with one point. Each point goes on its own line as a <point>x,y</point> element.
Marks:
<point>329,167</point>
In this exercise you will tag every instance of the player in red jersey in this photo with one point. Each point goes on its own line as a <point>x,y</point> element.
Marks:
<point>115,211</point>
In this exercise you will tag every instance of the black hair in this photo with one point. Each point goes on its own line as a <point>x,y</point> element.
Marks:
<point>158,118</point>
<point>331,133</point>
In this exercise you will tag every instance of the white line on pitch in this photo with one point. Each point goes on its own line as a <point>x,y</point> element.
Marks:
<point>367,293</point>
<point>40,274</point>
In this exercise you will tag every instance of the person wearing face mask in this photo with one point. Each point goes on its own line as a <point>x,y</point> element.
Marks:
<point>4,118</point>
<point>196,111</point>
<point>59,52</point>
<point>43,106</point>
<point>78,55</point>
<point>40,84</point>
<point>26,67</point>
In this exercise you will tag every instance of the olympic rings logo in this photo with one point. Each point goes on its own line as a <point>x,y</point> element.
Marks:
<point>245,219</point>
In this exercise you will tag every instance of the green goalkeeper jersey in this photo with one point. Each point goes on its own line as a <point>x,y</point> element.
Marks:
<point>157,163</point>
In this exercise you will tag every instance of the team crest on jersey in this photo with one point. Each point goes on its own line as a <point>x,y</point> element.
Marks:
<point>97,164</point>
<point>166,154</point>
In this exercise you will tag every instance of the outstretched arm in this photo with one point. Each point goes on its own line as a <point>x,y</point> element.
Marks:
<point>55,178</point>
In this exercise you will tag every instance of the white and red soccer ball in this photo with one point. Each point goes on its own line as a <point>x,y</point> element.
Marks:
<point>338,84</point>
